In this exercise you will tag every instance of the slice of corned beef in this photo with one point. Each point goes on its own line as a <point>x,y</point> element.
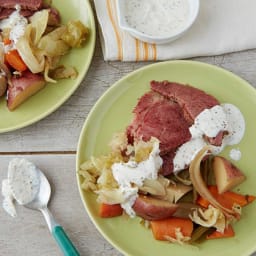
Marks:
<point>192,100</point>
<point>167,167</point>
<point>167,112</point>
<point>25,4</point>
<point>157,116</point>
<point>5,13</point>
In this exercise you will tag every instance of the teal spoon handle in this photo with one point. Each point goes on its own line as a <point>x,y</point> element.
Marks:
<point>59,234</point>
<point>64,242</point>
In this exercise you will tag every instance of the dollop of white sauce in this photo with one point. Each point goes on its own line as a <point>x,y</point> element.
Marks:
<point>8,204</point>
<point>16,23</point>
<point>210,122</point>
<point>23,184</point>
<point>235,154</point>
<point>157,18</point>
<point>132,173</point>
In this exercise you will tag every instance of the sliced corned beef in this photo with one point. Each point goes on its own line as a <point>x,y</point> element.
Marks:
<point>25,4</point>
<point>167,167</point>
<point>5,13</point>
<point>192,100</point>
<point>166,112</point>
<point>156,116</point>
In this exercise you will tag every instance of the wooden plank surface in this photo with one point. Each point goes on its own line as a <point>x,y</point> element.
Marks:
<point>51,144</point>
<point>28,234</point>
<point>62,128</point>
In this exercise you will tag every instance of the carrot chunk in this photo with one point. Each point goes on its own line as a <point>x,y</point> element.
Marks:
<point>202,202</point>
<point>15,61</point>
<point>168,227</point>
<point>228,232</point>
<point>7,41</point>
<point>226,199</point>
<point>110,210</point>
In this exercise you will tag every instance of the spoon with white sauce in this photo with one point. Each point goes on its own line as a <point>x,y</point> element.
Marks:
<point>30,187</point>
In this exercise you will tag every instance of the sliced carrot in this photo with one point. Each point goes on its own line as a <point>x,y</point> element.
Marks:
<point>202,202</point>
<point>242,200</point>
<point>250,198</point>
<point>167,227</point>
<point>228,232</point>
<point>110,210</point>
<point>226,199</point>
<point>7,41</point>
<point>14,60</point>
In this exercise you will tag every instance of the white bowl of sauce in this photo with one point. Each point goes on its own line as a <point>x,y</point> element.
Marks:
<point>157,21</point>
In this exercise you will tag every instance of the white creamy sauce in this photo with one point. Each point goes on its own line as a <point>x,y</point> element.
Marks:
<point>23,184</point>
<point>8,198</point>
<point>157,18</point>
<point>235,154</point>
<point>210,122</point>
<point>132,173</point>
<point>236,125</point>
<point>16,23</point>
<point>186,153</point>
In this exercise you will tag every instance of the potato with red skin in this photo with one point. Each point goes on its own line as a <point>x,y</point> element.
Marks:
<point>23,87</point>
<point>150,208</point>
<point>3,85</point>
<point>226,174</point>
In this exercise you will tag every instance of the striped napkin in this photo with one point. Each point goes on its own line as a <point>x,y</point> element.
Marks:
<point>221,27</point>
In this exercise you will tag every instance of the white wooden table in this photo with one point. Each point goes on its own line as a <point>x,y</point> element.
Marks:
<point>51,144</point>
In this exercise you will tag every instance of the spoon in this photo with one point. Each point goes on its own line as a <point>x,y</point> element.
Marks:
<point>40,202</point>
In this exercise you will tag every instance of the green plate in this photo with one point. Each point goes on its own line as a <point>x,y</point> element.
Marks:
<point>113,112</point>
<point>54,95</point>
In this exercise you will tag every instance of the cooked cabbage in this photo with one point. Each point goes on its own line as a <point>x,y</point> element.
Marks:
<point>52,45</point>
<point>155,187</point>
<point>211,217</point>
<point>38,23</point>
<point>33,58</point>
<point>76,33</point>
<point>64,72</point>
<point>179,237</point>
<point>41,51</point>
<point>110,196</point>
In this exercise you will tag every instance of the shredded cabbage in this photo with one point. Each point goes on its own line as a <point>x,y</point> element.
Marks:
<point>63,72</point>
<point>32,57</point>
<point>76,34</point>
<point>211,217</point>
<point>38,23</point>
<point>98,177</point>
<point>155,187</point>
<point>179,237</point>
<point>41,50</point>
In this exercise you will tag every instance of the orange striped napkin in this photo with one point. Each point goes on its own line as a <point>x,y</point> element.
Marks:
<point>221,27</point>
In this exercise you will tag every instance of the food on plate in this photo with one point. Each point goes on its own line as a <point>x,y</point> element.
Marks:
<point>23,87</point>
<point>3,85</point>
<point>150,208</point>
<point>110,210</point>
<point>226,174</point>
<point>32,42</point>
<point>165,166</point>
<point>172,229</point>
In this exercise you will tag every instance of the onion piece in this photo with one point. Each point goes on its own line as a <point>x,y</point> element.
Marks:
<point>200,186</point>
